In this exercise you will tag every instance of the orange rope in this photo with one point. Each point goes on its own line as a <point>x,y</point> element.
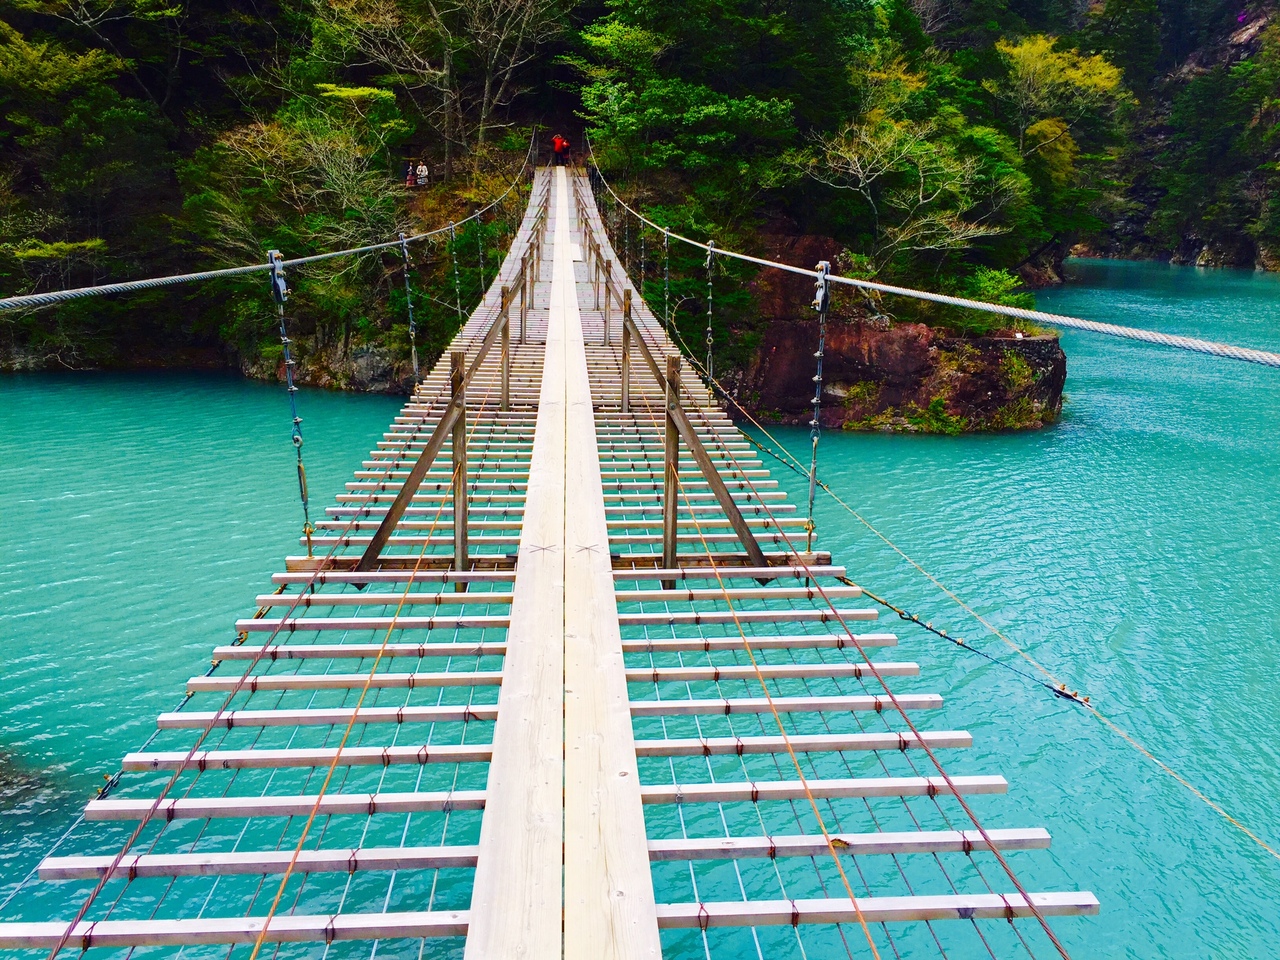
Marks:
<point>364,691</point>
<point>786,739</point>
<point>1054,680</point>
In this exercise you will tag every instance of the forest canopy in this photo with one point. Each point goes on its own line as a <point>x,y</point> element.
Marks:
<point>961,144</point>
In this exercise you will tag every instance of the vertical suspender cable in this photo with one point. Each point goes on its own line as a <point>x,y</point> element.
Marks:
<point>280,291</point>
<point>408,300</point>
<point>453,252</point>
<point>821,300</point>
<point>480,246</point>
<point>666,281</point>
<point>711,259</point>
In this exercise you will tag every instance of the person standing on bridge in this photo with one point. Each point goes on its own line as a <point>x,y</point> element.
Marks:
<point>560,149</point>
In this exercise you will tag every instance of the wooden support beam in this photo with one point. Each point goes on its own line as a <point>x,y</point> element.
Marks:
<point>804,642</point>
<point>305,757</point>
<point>325,716</point>
<point>688,708</point>
<point>626,355</point>
<point>329,651</point>
<point>284,928</point>
<point>414,598</point>
<point>458,392</point>
<point>671,471</point>
<point>504,400</point>
<point>770,671</point>
<point>853,844</point>
<point>979,906</point>
<point>443,621</point>
<point>697,617</point>
<point>801,743</point>
<point>356,804</point>
<point>341,681</point>
<point>689,595</point>
<point>346,860</point>
<point>855,787</point>
<point>703,572</point>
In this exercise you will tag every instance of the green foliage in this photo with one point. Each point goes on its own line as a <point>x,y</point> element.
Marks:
<point>1015,373</point>
<point>1218,169</point>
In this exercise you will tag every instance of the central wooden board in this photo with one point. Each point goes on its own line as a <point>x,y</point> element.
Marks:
<point>515,903</point>
<point>608,889</point>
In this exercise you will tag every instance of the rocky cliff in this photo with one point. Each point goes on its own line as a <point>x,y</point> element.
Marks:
<point>907,377</point>
<point>882,375</point>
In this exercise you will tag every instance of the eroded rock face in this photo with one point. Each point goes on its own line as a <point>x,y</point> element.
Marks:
<point>369,368</point>
<point>908,377</point>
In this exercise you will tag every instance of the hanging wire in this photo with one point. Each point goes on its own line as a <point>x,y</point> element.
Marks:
<point>408,300</point>
<point>280,292</point>
<point>666,281</point>
<point>821,301</point>
<point>480,246</point>
<point>453,252</point>
<point>711,259</point>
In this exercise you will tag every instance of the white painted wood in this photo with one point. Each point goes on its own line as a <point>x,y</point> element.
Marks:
<point>811,642</point>
<point>325,651</point>
<point>907,701</point>
<point>854,844</point>
<point>516,897</point>
<point>874,909</point>
<point>359,804</point>
<point>801,743</point>
<point>339,681</point>
<point>858,787</point>
<point>284,928</point>
<point>441,622</point>
<point>305,757</point>
<point>324,716</point>
<point>770,671</point>
<point>737,593</point>
<point>696,617</point>
<point>347,860</point>
<point>609,911</point>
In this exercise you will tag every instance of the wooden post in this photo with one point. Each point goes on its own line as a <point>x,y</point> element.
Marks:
<point>505,320</point>
<point>457,369</point>
<point>524,293</point>
<point>608,298</point>
<point>595,265</point>
<point>670,475</point>
<point>626,356</point>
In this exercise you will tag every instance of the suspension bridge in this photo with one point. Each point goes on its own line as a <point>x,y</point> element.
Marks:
<point>560,668</point>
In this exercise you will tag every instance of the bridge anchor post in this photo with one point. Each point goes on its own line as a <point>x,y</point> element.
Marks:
<point>524,293</point>
<point>457,372</point>
<point>608,297</point>
<point>626,353</point>
<point>670,474</point>
<point>505,320</point>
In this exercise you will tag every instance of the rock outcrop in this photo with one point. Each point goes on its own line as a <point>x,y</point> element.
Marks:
<point>906,377</point>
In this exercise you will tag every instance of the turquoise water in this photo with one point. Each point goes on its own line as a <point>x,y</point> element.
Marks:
<point>1131,548</point>
<point>141,515</point>
<point>1134,549</point>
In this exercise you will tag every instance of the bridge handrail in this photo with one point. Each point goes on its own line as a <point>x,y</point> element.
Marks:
<point>34,300</point>
<point>1193,344</point>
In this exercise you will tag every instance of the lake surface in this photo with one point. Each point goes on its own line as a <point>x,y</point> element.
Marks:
<point>1132,548</point>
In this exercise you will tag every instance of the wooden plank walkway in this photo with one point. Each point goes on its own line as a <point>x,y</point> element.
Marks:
<point>615,731</point>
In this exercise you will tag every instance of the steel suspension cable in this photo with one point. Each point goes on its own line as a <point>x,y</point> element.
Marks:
<point>35,300</point>
<point>1192,344</point>
<point>218,715</point>
<point>355,713</point>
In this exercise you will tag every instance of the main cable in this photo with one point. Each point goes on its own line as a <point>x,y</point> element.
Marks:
<point>1192,344</point>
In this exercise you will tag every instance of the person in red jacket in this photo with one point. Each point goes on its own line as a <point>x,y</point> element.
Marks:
<point>560,148</point>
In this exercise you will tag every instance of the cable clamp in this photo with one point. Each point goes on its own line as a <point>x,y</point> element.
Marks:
<point>795,914</point>
<point>704,918</point>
